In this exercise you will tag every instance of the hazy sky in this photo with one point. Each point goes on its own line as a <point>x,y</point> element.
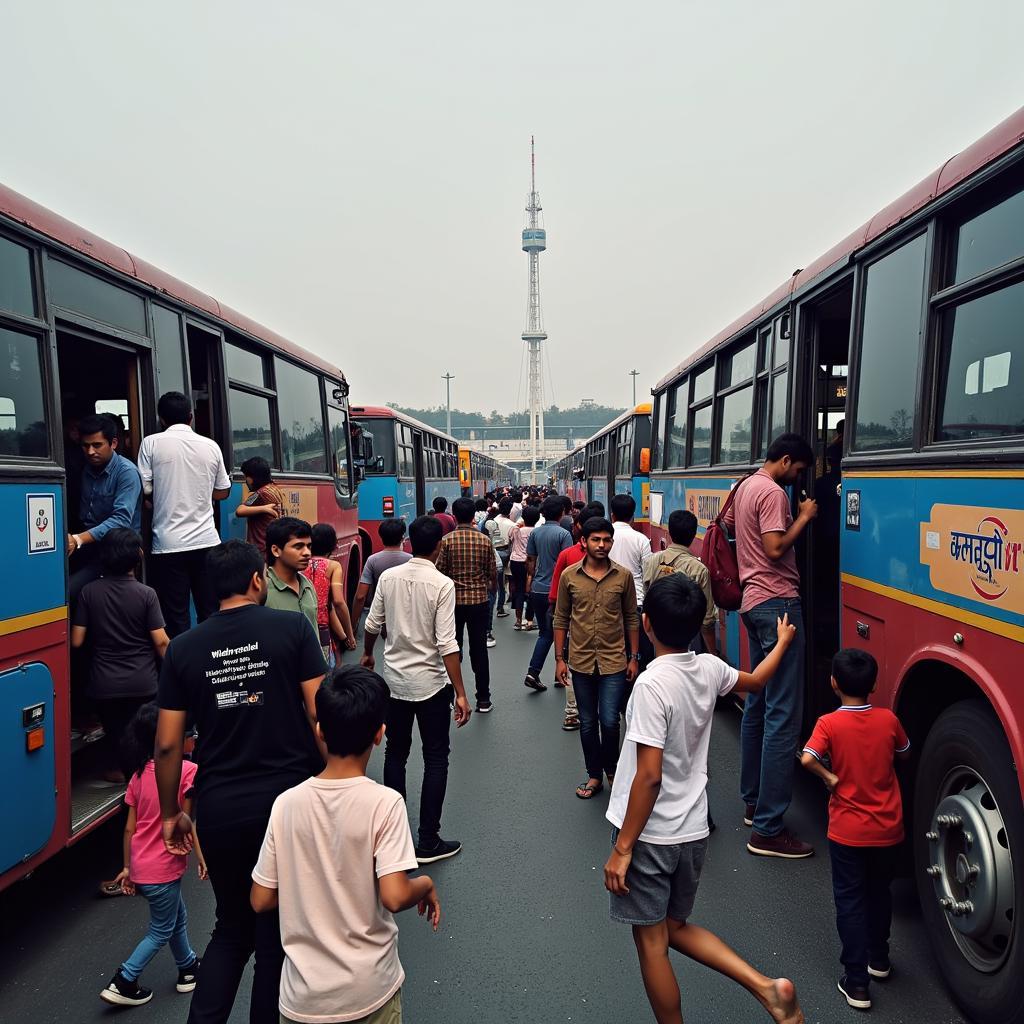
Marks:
<point>354,174</point>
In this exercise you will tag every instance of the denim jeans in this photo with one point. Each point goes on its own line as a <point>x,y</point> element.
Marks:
<point>599,701</point>
<point>542,610</point>
<point>168,925</point>
<point>770,730</point>
<point>861,876</point>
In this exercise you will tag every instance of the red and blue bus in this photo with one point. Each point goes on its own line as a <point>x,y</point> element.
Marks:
<point>402,465</point>
<point>617,461</point>
<point>480,473</point>
<point>904,343</point>
<point>87,327</point>
<point>568,474</point>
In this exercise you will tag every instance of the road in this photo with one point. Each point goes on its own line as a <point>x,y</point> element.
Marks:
<point>526,934</point>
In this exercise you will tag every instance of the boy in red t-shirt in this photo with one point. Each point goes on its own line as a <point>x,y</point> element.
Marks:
<point>865,817</point>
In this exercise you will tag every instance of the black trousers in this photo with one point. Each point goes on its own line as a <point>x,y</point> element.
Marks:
<point>520,595</point>
<point>433,716</point>
<point>115,714</point>
<point>231,852</point>
<point>861,877</point>
<point>176,577</point>
<point>475,619</point>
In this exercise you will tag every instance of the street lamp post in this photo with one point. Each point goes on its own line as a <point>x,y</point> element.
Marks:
<point>634,374</point>
<point>448,378</point>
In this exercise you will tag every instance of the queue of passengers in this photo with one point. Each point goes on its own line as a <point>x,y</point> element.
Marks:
<point>281,791</point>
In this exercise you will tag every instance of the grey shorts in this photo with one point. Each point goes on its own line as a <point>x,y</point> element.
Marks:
<point>662,882</point>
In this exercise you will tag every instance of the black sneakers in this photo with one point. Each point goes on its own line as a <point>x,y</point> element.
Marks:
<point>187,977</point>
<point>122,992</point>
<point>748,814</point>
<point>881,971</point>
<point>445,848</point>
<point>484,707</point>
<point>857,996</point>
<point>785,845</point>
<point>532,680</point>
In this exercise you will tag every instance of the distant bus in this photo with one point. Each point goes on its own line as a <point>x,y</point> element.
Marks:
<point>618,461</point>
<point>86,327</point>
<point>480,473</point>
<point>567,475</point>
<point>402,465</point>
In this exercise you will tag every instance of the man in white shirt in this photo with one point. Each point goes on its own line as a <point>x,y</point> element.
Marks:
<point>183,474</point>
<point>630,548</point>
<point>421,666</point>
<point>499,529</point>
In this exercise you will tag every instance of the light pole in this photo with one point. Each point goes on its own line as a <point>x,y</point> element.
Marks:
<point>448,378</point>
<point>634,374</point>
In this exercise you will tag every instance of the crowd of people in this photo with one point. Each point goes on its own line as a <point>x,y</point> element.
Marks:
<point>276,795</point>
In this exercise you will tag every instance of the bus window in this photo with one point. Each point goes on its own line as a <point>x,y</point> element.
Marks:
<point>300,419</point>
<point>339,450</point>
<point>170,370</point>
<point>16,291</point>
<point>22,416</point>
<point>251,432</point>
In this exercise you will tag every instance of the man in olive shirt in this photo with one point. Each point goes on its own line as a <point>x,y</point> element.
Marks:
<point>288,553</point>
<point>597,607</point>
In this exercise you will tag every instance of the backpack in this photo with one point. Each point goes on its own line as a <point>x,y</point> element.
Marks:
<point>720,558</point>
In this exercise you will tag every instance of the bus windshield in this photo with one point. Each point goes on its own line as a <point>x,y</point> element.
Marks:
<point>380,433</point>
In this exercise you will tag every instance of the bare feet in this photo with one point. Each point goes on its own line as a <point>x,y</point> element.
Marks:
<point>780,1001</point>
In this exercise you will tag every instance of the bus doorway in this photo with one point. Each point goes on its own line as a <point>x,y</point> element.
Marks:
<point>421,473</point>
<point>826,342</point>
<point>204,384</point>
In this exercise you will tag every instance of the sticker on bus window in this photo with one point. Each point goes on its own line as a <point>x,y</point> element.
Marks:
<point>42,530</point>
<point>853,510</point>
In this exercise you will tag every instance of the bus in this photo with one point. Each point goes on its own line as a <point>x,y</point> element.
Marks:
<point>480,473</point>
<point>402,465</point>
<point>618,461</point>
<point>86,327</point>
<point>903,344</point>
<point>567,475</point>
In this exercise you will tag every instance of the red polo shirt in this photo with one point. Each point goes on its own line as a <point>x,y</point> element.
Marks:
<point>570,556</point>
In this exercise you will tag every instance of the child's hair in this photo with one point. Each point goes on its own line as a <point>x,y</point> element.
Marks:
<point>531,515</point>
<point>675,607</point>
<point>854,671</point>
<point>351,706</point>
<point>120,551</point>
<point>323,540</point>
<point>140,737</point>
<point>258,470</point>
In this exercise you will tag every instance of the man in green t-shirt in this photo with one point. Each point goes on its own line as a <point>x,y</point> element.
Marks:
<point>288,554</point>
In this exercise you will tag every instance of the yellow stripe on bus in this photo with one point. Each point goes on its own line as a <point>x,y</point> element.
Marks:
<point>948,611</point>
<point>23,622</point>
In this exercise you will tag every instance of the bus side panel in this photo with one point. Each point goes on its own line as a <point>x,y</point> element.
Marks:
<point>370,500</point>
<point>599,492</point>
<point>449,489</point>
<point>231,526</point>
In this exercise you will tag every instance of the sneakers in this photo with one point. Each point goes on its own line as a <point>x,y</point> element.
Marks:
<point>856,995</point>
<point>880,971</point>
<point>571,722</point>
<point>748,814</point>
<point>187,977</point>
<point>532,680</point>
<point>445,848</point>
<point>491,642</point>
<point>122,992</point>
<point>502,613</point>
<point>484,707</point>
<point>785,845</point>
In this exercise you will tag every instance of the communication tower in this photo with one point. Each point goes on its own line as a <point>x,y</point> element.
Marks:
<point>534,243</point>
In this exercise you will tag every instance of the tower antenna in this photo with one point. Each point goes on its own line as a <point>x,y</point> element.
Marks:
<point>534,243</point>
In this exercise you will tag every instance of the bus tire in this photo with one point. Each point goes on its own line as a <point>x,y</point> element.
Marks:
<point>968,818</point>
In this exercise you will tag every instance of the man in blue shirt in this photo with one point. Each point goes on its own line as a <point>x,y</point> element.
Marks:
<point>542,550</point>
<point>111,496</point>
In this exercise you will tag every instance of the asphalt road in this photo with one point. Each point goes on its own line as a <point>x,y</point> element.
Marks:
<point>526,934</point>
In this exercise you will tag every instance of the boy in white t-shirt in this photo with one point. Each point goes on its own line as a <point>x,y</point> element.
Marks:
<point>334,861</point>
<point>659,806</point>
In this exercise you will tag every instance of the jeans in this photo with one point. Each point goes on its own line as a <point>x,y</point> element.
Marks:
<point>861,876</point>
<point>433,716</point>
<point>176,577</point>
<point>168,924</point>
<point>231,851</point>
<point>770,730</point>
<point>543,610</point>
<point>503,555</point>
<point>472,618</point>
<point>520,597</point>
<point>599,700</point>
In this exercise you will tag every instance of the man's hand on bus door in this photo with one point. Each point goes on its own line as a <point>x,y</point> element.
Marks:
<point>807,508</point>
<point>178,833</point>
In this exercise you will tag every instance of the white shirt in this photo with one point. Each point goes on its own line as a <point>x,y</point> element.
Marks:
<point>671,708</point>
<point>500,531</point>
<point>517,512</point>
<point>182,469</point>
<point>417,604</point>
<point>629,549</point>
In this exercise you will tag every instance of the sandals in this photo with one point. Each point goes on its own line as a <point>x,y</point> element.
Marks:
<point>111,888</point>
<point>587,790</point>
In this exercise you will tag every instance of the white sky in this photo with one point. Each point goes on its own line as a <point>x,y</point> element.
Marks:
<point>354,174</point>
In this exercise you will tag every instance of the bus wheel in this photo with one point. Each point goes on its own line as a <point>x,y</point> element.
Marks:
<point>969,855</point>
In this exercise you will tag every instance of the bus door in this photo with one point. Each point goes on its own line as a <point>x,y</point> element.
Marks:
<point>823,359</point>
<point>419,457</point>
<point>206,384</point>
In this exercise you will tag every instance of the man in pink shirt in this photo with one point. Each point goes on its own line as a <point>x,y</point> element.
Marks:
<point>762,523</point>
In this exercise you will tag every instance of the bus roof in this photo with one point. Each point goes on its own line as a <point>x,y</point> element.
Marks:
<point>1001,139</point>
<point>641,409</point>
<point>386,412</point>
<point>24,211</point>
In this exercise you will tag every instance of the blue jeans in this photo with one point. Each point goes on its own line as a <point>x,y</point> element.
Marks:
<point>771,719</point>
<point>599,702</point>
<point>168,924</point>
<point>542,611</point>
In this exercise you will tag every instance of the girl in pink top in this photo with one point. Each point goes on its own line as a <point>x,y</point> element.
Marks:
<point>151,871</point>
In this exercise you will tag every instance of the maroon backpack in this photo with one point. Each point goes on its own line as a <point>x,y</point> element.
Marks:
<point>718,555</point>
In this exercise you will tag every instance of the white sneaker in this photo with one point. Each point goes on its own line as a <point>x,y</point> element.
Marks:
<point>491,642</point>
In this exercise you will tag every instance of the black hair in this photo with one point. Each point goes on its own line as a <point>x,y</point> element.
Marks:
<point>579,505</point>
<point>675,607</point>
<point>566,504</point>
<point>139,738</point>
<point>425,534</point>
<point>481,505</point>
<point>391,532</point>
<point>322,540</point>
<point>623,507</point>
<point>231,566</point>
<point>595,524</point>
<point>585,515</point>
<point>174,407</point>
<point>463,509</point>
<point>531,515</point>
<point>439,504</point>
<point>597,507</point>
<point>259,469</point>
<point>682,526</point>
<point>120,551</point>
<point>792,445</point>
<point>280,531</point>
<point>505,507</point>
<point>351,705</point>
<point>854,671</point>
<point>551,509</point>
<point>98,423</point>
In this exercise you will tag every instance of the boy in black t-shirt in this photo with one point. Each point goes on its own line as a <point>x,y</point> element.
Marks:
<point>248,676</point>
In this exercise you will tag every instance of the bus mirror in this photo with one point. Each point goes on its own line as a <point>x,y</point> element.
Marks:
<point>645,460</point>
<point>379,463</point>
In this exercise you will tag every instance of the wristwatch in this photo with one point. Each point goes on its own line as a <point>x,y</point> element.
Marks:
<point>634,657</point>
